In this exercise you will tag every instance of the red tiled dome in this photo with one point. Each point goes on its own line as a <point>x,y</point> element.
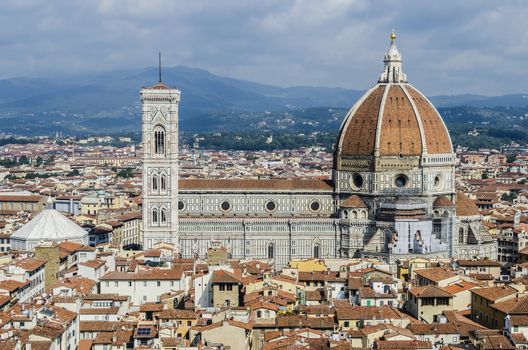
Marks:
<point>393,119</point>
<point>442,201</point>
<point>353,201</point>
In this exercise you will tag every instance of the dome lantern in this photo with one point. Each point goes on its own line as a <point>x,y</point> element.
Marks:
<point>393,72</point>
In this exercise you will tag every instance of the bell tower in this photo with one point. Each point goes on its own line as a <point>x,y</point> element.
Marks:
<point>159,105</point>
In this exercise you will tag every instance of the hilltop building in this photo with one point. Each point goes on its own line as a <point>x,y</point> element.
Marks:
<point>392,193</point>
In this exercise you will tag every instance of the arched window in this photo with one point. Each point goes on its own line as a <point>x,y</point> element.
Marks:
<point>154,183</point>
<point>163,182</point>
<point>418,237</point>
<point>154,216</point>
<point>461,235</point>
<point>317,251</point>
<point>259,314</point>
<point>163,216</point>
<point>159,140</point>
<point>271,251</point>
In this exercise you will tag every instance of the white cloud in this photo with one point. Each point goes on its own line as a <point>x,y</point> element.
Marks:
<point>448,47</point>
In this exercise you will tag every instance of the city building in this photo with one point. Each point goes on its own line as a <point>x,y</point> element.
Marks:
<point>48,226</point>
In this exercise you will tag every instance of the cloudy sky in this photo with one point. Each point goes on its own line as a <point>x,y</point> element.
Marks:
<point>448,47</point>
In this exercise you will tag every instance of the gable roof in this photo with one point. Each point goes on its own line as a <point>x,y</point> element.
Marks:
<point>429,291</point>
<point>436,274</point>
<point>517,306</point>
<point>494,293</point>
<point>222,276</point>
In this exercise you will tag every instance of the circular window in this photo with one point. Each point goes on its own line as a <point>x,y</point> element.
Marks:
<point>401,181</point>
<point>225,206</point>
<point>437,182</point>
<point>271,206</point>
<point>315,206</point>
<point>357,181</point>
<point>181,205</point>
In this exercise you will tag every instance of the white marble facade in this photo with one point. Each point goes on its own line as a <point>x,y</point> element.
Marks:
<point>160,164</point>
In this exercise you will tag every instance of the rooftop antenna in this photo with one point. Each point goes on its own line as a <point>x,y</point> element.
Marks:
<point>159,66</point>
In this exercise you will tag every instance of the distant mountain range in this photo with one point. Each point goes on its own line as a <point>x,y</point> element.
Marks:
<point>109,102</point>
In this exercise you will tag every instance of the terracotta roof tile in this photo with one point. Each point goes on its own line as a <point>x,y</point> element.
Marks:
<point>436,134</point>
<point>31,264</point>
<point>513,306</point>
<point>358,135</point>
<point>436,274</point>
<point>494,293</point>
<point>433,328</point>
<point>402,344</point>
<point>442,201</point>
<point>222,276</point>
<point>465,206</point>
<point>400,131</point>
<point>429,291</point>
<point>480,262</point>
<point>354,201</point>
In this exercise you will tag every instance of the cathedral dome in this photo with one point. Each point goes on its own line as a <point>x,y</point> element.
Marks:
<point>393,119</point>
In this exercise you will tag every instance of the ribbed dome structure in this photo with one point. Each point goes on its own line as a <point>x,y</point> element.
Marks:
<point>48,226</point>
<point>394,120</point>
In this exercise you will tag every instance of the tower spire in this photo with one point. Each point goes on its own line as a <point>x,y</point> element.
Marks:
<point>159,66</point>
<point>393,72</point>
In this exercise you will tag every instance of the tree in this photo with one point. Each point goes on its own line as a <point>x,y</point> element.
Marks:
<point>23,160</point>
<point>508,196</point>
<point>74,172</point>
<point>484,176</point>
<point>50,160</point>
<point>125,173</point>
<point>511,157</point>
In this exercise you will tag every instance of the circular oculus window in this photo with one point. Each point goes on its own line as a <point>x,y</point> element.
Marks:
<point>225,206</point>
<point>315,206</point>
<point>271,206</point>
<point>356,181</point>
<point>401,181</point>
<point>181,205</point>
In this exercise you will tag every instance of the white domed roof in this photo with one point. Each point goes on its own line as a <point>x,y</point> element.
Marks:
<point>50,225</point>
